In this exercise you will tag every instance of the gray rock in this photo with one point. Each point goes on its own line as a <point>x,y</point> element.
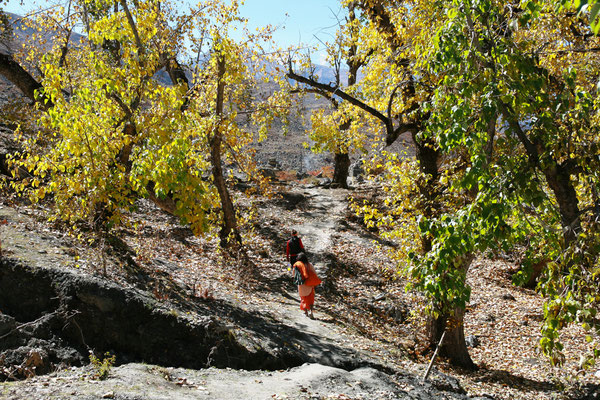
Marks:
<point>79,311</point>
<point>489,318</point>
<point>446,383</point>
<point>357,169</point>
<point>472,341</point>
<point>268,172</point>
<point>380,296</point>
<point>508,296</point>
<point>325,182</point>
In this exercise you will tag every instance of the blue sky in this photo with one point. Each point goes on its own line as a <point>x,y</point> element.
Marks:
<point>299,21</point>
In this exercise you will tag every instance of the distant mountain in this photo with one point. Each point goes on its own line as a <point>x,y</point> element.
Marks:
<point>23,30</point>
<point>286,147</point>
<point>327,74</point>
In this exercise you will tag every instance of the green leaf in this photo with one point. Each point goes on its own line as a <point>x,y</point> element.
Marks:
<point>581,5</point>
<point>594,12</point>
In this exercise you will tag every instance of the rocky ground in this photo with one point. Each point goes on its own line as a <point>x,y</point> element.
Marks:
<point>150,382</point>
<point>56,307</point>
<point>186,321</point>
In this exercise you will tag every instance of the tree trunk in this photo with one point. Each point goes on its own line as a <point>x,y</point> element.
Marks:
<point>340,173</point>
<point>428,157</point>
<point>229,234</point>
<point>22,79</point>
<point>558,177</point>
<point>559,180</point>
<point>536,271</point>
<point>454,346</point>
<point>342,160</point>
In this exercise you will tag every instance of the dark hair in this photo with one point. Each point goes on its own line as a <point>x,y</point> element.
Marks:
<point>302,257</point>
<point>294,232</point>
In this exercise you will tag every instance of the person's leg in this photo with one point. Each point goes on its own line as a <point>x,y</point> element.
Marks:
<point>312,304</point>
<point>304,306</point>
<point>308,302</point>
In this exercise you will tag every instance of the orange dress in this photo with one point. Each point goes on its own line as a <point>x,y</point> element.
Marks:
<point>307,290</point>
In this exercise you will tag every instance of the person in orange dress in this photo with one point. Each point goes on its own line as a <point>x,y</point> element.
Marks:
<point>306,290</point>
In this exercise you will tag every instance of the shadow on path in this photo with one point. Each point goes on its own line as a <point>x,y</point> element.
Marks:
<point>513,381</point>
<point>294,344</point>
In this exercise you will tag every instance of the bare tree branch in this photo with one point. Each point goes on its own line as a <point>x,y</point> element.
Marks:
<point>336,91</point>
<point>133,27</point>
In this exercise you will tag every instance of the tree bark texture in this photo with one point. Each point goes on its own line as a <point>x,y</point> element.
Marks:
<point>167,204</point>
<point>454,346</point>
<point>428,157</point>
<point>340,173</point>
<point>382,20</point>
<point>559,180</point>
<point>229,232</point>
<point>22,79</point>
<point>536,271</point>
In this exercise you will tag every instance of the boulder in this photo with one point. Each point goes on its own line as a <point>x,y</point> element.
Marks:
<point>472,341</point>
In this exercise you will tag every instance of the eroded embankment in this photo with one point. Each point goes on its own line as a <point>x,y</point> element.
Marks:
<point>50,317</point>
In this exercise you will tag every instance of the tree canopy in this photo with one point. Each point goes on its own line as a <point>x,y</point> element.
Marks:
<point>507,99</point>
<point>122,117</point>
<point>500,100</point>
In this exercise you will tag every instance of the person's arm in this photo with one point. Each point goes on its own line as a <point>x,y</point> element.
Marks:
<point>301,245</point>
<point>287,250</point>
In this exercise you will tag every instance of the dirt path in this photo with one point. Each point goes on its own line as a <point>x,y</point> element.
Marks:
<point>326,210</point>
<point>322,339</point>
<point>270,320</point>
